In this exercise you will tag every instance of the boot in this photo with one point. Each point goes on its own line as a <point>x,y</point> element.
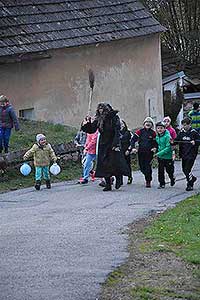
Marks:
<point>192,181</point>
<point>118,182</point>
<point>48,184</point>
<point>107,188</point>
<point>189,187</point>
<point>148,184</point>
<point>37,185</point>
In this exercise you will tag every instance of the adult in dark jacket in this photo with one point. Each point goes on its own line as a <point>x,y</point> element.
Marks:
<point>8,119</point>
<point>110,160</point>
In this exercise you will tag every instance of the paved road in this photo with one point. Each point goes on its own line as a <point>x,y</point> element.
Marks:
<point>60,244</point>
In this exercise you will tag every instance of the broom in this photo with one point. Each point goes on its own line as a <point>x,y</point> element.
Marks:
<point>91,82</point>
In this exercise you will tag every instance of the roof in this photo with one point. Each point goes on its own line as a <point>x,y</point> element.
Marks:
<point>192,96</point>
<point>28,26</point>
<point>172,63</point>
<point>173,77</point>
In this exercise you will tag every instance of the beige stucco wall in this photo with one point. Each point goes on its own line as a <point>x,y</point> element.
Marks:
<point>127,75</point>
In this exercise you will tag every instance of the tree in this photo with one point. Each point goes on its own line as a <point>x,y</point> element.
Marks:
<point>182,21</point>
<point>173,103</point>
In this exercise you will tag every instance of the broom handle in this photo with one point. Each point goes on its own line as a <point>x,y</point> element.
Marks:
<point>90,102</point>
<point>186,142</point>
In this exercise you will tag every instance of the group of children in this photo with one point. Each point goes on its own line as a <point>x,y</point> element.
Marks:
<point>146,142</point>
<point>149,144</point>
<point>160,144</point>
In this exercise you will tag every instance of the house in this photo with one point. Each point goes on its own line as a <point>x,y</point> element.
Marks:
<point>47,47</point>
<point>187,84</point>
<point>170,88</point>
<point>169,83</point>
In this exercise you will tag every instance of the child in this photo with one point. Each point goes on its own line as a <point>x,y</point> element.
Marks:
<point>172,131</point>
<point>42,153</point>
<point>79,142</point>
<point>125,144</point>
<point>188,139</point>
<point>164,155</point>
<point>146,140</point>
<point>90,150</point>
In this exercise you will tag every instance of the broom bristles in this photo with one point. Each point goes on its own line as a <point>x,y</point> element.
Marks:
<point>91,78</point>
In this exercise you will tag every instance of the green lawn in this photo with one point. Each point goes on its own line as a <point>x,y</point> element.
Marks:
<point>178,230</point>
<point>56,134</point>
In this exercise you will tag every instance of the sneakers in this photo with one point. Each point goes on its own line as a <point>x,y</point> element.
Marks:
<point>161,186</point>
<point>148,184</point>
<point>92,175</point>
<point>84,181</point>
<point>37,185</point>
<point>130,179</point>
<point>172,182</point>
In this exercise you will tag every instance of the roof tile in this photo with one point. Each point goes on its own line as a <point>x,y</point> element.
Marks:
<point>38,25</point>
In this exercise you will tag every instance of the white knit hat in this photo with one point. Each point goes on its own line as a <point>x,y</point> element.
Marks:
<point>3,98</point>
<point>149,119</point>
<point>167,118</point>
<point>40,136</point>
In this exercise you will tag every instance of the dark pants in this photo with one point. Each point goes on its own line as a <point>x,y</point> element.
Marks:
<point>4,138</point>
<point>187,165</point>
<point>128,161</point>
<point>163,164</point>
<point>145,159</point>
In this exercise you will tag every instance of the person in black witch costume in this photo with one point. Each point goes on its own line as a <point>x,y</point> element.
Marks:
<point>110,159</point>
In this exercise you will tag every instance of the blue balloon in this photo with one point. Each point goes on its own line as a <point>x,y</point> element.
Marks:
<point>25,169</point>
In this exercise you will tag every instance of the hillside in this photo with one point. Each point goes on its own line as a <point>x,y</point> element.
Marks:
<point>55,134</point>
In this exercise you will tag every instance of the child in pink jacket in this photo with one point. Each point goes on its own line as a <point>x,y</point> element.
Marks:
<point>90,150</point>
<point>172,131</point>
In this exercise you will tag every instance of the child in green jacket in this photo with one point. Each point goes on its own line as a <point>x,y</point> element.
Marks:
<point>42,153</point>
<point>164,155</point>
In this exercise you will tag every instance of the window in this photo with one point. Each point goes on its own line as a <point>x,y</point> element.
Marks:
<point>27,113</point>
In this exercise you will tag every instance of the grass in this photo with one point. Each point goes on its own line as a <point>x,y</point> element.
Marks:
<point>152,293</point>
<point>25,138</point>
<point>114,277</point>
<point>178,230</point>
